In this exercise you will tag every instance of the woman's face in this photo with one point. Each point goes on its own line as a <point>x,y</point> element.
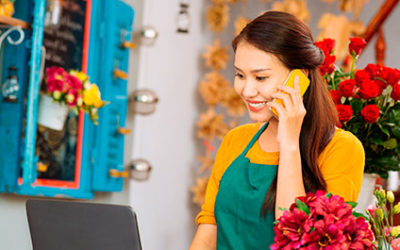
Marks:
<point>258,74</point>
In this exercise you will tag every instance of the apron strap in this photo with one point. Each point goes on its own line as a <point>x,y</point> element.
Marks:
<point>255,138</point>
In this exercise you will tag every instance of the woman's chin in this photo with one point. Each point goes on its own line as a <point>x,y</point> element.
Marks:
<point>261,117</point>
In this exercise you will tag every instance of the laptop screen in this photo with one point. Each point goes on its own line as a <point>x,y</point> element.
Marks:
<point>80,225</point>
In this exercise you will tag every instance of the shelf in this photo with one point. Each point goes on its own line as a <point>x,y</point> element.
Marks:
<point>14,22</point>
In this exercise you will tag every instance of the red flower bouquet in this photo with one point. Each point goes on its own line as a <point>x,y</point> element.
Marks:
<point>321,221</point>
<point>74,89</point>
<point>367,102</point>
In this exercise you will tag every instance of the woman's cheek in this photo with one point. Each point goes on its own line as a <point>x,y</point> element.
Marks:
<point>238,86</point>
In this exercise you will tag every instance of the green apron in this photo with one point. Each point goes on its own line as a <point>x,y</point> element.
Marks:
<point>241,193</point>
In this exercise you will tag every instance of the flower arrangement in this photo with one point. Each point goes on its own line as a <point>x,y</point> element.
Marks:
<point>381,218</point>
<point>322,220</point>
<point>367,101</point>
<point>74,89</point>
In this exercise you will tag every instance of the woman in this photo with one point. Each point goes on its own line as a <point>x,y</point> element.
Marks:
<point>262,167</point>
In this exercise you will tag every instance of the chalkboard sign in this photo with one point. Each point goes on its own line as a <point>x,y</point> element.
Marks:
<point>64,48</point>
<point>64,42</point>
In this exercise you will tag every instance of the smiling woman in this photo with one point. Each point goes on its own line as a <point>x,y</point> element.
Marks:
<point>263,166</point>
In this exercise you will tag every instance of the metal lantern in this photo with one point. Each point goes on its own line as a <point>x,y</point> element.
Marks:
<point>147,35</point>
<point>143,101</point>
<point>139,169</point>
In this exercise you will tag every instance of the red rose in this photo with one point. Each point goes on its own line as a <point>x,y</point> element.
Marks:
<point>336,96</point>
<point>326,45</point>
<point>384,72</point>
<point>393,76</point>
<point>356,45</point>
<point>347,87</point>
<point>370,113</point>
<point>396,92</point>
<point>328,66</point>
<point>382,85</point>
<point>345,112</point>
<point>360,76</point>
<point>373,70</point>
<point>368,90</point>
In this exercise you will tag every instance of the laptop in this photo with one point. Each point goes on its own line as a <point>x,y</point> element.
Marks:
<point>66,225</point>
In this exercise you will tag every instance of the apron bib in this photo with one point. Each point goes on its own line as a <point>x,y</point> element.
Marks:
<point>241,193</point>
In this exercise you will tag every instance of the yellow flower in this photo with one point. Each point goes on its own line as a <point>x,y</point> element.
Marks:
<point>379,214</point>
<point>80,75</point>
<point>396,208</point>
<point>91,96</point>
<point>390,196</point>
<point>395,231</point>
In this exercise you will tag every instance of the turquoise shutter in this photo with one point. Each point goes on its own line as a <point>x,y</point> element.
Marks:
<point>111,25</point>
<point>11,114</point>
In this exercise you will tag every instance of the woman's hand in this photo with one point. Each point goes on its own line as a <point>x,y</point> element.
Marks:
<point>291,115</point>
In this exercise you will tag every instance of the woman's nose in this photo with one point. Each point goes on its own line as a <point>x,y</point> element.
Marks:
<point>249,89</point>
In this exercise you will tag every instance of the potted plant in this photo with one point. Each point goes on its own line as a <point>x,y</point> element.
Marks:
<point>67,91</point>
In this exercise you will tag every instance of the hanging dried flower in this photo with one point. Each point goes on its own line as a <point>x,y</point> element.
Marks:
<point>240,23</point>
<point>216,57</point>
<point>233,102</point>
<point>199,190</point>
<point>354,6</point>
<point>206,161</point>
<point>212,89</point>
<point>224,1</point>
<point>218,17</point>
<point>211,125</point>
<point>297,8</point>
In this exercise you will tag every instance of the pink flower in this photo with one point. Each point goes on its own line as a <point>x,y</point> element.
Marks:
<point>371,209</point>
<point>321,222</point>
<point>74,82</point>
<point>395,244</point>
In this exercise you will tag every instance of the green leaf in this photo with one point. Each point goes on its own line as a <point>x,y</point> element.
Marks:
<point>356,105</point>
<point>358,215</point>
<point>302,206</point>
<point>390,144</point>
<point>376,140</point>
<point>283,209</point>
<point>396,131</point>
<point>384,130</point>
<point>328,195</point>
<point>352,203</point>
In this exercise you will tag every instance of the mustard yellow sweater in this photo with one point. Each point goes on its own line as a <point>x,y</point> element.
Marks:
<point>341,164</point>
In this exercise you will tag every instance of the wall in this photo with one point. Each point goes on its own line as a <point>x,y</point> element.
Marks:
<point>167,138</point>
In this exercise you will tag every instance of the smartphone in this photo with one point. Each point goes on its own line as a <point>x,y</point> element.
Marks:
<point>304,83</point>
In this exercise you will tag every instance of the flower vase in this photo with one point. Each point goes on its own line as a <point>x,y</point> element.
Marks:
<point>366,196</point>
<point>52,114</point>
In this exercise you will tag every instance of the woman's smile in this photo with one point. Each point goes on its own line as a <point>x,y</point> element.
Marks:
<point>256,106</point>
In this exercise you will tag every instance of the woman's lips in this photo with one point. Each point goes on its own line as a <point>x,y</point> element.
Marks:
<point>255,105</point>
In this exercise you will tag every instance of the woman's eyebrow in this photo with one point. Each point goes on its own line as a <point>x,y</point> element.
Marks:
<point>254,70</point>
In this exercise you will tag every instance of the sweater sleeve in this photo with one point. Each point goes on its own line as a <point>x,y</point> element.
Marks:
<point>206,215</point>
<point>342,165</point>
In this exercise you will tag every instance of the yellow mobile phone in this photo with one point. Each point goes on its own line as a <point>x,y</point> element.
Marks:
<point>304,83</point>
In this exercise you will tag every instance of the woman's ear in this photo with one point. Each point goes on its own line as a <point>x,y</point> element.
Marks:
<point>305,71</point>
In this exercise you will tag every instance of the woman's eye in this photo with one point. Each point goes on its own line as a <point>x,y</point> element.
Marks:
<point>240,76</point>
<point>261,78</point>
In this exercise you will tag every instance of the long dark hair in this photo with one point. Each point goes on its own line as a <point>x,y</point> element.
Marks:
<point>291,41</point>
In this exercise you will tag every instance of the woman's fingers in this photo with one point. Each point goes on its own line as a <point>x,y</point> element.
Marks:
<point>287,100</point>
<point>278,107</point>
